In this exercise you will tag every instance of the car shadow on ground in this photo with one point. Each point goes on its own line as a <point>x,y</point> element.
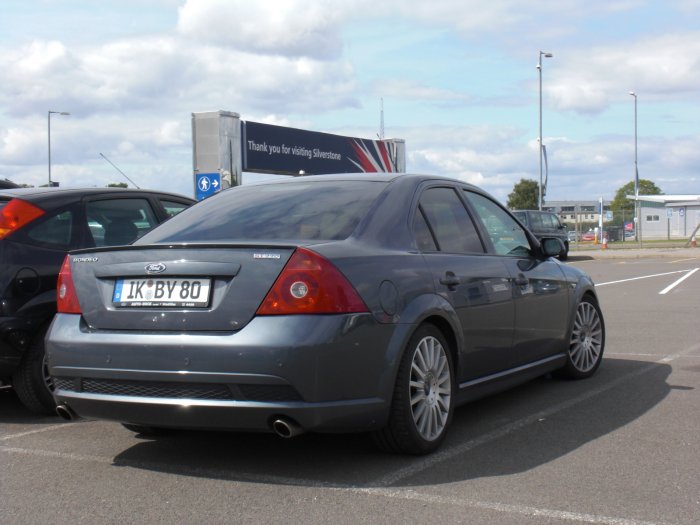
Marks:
<point>13,412</point>
<point>622,391</point>
<point>576,258</point>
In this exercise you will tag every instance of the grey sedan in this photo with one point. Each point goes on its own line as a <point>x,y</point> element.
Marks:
<point>343,303</point>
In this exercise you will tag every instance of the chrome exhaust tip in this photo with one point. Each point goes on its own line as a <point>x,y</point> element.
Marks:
<point>67,413</point>
<point>286,428</point>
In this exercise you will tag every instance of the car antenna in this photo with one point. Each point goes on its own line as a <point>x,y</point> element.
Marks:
<point>120,171</point>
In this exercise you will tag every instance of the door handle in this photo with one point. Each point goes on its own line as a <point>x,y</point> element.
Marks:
<point>450,280</point>
<point>521,280</point>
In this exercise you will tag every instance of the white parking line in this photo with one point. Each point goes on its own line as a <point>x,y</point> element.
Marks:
<point>642,277</point>
<point>384,492</point>
<point>447,454</point>
<point>523,510</point>
<point>382,486</point>
<point>36,431</point>
<point>679,281</point>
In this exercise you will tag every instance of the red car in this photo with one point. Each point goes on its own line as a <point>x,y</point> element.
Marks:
<point>588,236</point>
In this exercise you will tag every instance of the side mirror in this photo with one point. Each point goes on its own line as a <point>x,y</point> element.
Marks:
<point>552,247</point>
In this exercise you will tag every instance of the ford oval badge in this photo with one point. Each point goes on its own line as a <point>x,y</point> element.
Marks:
<point>155,268</point>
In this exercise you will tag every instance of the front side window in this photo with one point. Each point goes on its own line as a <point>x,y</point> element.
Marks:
<point>507,237</point>
<point>172,208</point>
<point>453,228</point>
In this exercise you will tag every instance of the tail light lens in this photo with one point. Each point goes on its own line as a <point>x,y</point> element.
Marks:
<point>16,214</point>
<point>66,298</point>
<point>310,284</point>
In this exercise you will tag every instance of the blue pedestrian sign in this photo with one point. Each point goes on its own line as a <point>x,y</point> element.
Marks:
<point>207,184</point>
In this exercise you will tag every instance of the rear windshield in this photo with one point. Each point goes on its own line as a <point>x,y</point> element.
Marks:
<point>299,210</point>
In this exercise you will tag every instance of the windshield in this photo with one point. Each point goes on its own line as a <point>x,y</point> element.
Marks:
<point>302,210</point>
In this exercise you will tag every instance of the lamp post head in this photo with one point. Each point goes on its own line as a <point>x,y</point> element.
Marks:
<point>633,94</point>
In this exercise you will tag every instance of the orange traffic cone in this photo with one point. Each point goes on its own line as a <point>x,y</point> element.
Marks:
<point>693,242</point>
<point>605,242</point>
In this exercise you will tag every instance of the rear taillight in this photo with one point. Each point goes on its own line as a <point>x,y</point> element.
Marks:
<point>16,214</point>
<point>310,284</point>
<point>66,298</point>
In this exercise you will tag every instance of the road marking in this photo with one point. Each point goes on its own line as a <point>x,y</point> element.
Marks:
<point>642,277</point>
<point>30,432</point>
<point>399,494</point>
<point>525,510</point>
<point>447,454</point>
<point>382,485</point>
<point>54,454</point>
<point>683,260</point>
<point>679,281</point>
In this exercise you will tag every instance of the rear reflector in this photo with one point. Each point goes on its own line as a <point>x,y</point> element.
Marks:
<point>66,298</point>
<point>16,214</point>
<point>310,284</point>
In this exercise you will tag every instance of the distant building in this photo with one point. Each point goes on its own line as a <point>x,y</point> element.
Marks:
<point>574,212</point>
<point>668,216</point>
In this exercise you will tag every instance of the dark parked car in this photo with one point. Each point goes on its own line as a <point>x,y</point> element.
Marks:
<point>38,226</point>
<point>545,224</point>
<point>334,303</point>
<point>6,184</point>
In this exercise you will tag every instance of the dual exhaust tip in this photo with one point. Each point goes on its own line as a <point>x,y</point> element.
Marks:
<point>282,426</point>
<point>286,428</point>
<point>66,412</point>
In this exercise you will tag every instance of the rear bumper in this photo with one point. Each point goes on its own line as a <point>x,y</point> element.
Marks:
<point>327,373</point>
<point>338,416</point>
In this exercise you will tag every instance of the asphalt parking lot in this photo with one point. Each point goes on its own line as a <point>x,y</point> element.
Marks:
<point>619,448</point>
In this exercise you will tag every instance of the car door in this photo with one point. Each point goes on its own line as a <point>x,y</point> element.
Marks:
<point>475,283</point>
<point>540,290</point>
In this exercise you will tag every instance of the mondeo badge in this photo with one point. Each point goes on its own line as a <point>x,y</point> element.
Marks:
<point>155,268</point>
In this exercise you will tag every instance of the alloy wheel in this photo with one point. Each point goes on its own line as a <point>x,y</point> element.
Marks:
<point>586,344</point>
<point>430,388</point>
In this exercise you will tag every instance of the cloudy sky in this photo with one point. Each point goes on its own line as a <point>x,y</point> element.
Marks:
<point>457,77</point>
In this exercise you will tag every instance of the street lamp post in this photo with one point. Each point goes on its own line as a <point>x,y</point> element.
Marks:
<point>637,218</point>
<point>49,134</point>
<point>539,69</point>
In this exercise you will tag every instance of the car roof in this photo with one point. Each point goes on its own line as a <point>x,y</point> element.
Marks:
<point>6,183</point>
<point>45,193</point>
<point>372,177</point>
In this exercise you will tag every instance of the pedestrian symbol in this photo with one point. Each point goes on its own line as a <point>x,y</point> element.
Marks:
<point>207,184</point>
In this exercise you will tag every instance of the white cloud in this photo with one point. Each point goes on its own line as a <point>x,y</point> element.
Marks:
<point>664,67</point>
<point>289,28</point>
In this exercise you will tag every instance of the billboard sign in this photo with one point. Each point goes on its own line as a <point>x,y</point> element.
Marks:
<point>277,149</point>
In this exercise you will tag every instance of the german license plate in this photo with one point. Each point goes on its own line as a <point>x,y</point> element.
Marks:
<point>161,293</point>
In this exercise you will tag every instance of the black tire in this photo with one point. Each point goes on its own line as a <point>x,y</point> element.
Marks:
<point>587,341</point>
<point>31,380</point>
<point>422,406</point>
<point>564,255</point>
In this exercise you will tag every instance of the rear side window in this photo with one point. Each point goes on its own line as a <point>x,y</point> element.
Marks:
<point>550,221</point>
<point>55,231</point>
<point>450,223</point>
<point>297,210</point>
<point>114,222</point>
<point>537,222</point>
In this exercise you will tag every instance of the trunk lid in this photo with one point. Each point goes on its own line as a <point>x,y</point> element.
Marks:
<point>176,287</point>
